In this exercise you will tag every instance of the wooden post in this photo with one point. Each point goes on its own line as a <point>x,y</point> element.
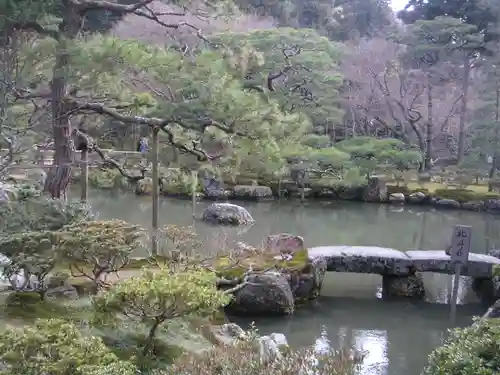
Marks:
<point>459,253</point>
<point>84,165</point>
<point>155,193</point>
<point>194,175</point>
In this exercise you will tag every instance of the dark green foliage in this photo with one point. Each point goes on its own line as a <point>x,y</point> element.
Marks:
<point>314,69</point>
<point>338,20</point>
<point>48,12</point>
<point>57,347</point>
<point>473,12</point>
<point>40,213</point>
<point>474,350</point>
<point>370,153</point>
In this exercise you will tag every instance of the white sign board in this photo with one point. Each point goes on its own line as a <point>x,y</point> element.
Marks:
<point>460,244</point>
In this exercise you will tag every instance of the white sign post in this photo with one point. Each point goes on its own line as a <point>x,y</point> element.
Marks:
<point>459,253</point>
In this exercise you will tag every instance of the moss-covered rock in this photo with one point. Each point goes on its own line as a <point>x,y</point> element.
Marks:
<point>303,276</point>
<point>261,261</point>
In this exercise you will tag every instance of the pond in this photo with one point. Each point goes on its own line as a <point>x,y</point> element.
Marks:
<point>398,336</point>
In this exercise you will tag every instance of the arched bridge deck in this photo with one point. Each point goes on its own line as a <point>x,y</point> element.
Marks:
<point>392,262</point>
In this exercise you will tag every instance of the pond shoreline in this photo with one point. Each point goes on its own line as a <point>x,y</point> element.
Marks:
<point>452,198</point>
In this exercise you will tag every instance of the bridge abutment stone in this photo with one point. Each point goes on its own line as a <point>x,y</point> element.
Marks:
<point>485,289</point>
<point>403,286</point>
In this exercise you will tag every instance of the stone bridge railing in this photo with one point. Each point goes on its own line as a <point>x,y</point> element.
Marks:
<point>400,267</point>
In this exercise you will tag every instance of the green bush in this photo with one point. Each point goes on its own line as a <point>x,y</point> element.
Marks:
<point>464,195</point>
<point>474,350</point>
<point>57,347</point>
<point>40,213</point>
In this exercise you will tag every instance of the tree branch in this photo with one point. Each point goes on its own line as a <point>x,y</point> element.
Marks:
<point>163,125</point>
<point>38,28</point>
<point>87,5</point>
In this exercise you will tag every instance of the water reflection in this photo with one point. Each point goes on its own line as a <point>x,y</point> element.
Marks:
<point>332,223</point>
<point>374,344</point>
<point>397,337</point>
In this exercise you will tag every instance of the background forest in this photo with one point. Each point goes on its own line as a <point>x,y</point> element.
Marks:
<point>340,86</point>
<point>232,88</point>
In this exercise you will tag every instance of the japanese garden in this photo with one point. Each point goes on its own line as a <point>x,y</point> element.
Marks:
<point>235,187</point>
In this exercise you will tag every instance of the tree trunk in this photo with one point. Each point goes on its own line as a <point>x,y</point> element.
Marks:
<point>463,110</point>
<point>148,347</point>
<point>156,193</point>
<point>429,126</point>
<point>59,175</point>
<point>494,161</point>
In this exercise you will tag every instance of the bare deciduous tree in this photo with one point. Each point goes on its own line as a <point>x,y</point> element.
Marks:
<point>386,98</point>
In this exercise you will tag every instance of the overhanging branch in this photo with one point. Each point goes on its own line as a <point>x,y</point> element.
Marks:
<point>36,27</point>
<point>163,124</point>
<point>87,5</point>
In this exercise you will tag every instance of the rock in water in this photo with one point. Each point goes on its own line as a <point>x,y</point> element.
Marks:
<point>270,347</point>
<point>144,186</point>
<point>266,293</point>
<point>227,214</point>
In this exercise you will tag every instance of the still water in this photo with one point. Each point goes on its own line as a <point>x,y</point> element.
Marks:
<point>398,336</point>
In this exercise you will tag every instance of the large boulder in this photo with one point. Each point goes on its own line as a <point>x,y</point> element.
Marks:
<point>252,192</point>
<point>277,282</point>
<point>397,198</point>
<point>227,214</point>
<point>264,293</point>
<point>270,347</point>
<point>417,198</point>
<point>284,243</point>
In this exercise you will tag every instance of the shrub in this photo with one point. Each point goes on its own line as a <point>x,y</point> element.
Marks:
<point>464,195</point>
<point>474,350</point>
<point>40,213</point>
<point>94,249</point>
<point>156,296</point>
<point>244,359</point>
<point>57,347</point>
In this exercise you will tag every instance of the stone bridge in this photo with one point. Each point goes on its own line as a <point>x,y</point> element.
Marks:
<point>397,267</point>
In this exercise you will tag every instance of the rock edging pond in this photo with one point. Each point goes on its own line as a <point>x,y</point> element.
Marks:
<point>375,190</point>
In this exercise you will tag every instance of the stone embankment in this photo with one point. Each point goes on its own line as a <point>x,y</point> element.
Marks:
<point>375,191</point>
